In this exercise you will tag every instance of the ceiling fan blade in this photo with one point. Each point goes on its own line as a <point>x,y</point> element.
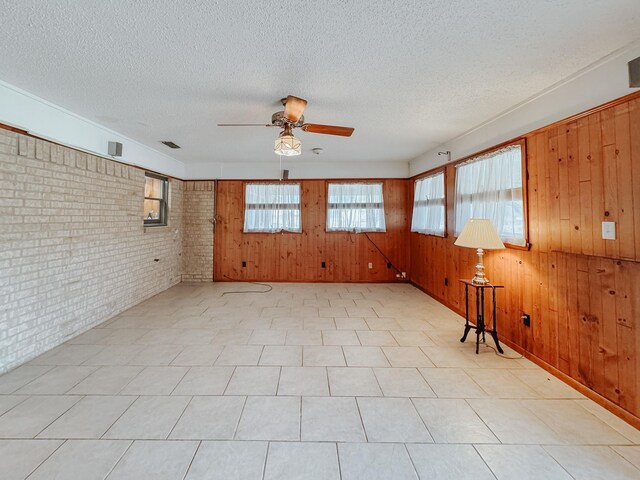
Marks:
<point>293,108</point>
<point>327,129</point>
<point>245,125</point>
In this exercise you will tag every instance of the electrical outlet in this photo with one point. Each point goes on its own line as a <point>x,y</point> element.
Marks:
<point>324,264</point>
<point>244,264</point>
<point>526,319</point>
<point>370,265</point>
<point>608,230</point>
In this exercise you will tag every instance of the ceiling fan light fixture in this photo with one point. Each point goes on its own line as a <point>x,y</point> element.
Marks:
<point>287,145</point>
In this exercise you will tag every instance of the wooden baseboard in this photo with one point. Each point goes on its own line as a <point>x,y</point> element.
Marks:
<point>617,410</point>
<point>391,282</point>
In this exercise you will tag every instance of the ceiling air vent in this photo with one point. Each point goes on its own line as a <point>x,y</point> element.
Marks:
<point>170,144</point>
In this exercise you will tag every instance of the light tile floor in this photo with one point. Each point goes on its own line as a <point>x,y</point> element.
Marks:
<point>308,381</point>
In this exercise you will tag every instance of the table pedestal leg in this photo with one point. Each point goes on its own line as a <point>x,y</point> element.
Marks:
<point>495,339</point>
<point>466,332</point>
<point>467,327</point>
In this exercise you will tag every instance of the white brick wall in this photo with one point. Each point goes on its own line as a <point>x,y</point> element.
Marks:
<point>198,224</point>
<point>73,248</point>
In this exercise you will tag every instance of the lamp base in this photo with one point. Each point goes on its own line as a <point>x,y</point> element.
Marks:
<point>479,278</point>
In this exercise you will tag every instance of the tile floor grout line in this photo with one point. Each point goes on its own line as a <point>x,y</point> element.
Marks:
<point>415,469</point>
<point>266,458</point>
<point>364,429</point>
<point>237,426</point>
<point>279,378</point>
<point>339,463</point>
<point>475,448</point>
<point>126,450</point>
<point>411,400</point>
<point>466,400</point>
<point>195,453</point>
<point>556,461</point>
<point>226,386</point>
<point>179,381</point>
<point>618,454</point>
<point>47,458</point>
<point>14,392</point>
<point>55,419</point>
<point>119,417</point>
<point>300,420</point>
<point>179,417</point>
<point>26,397</point>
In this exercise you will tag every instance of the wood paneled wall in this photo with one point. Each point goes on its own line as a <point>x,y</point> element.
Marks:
<point>583,293</point>
<point>298,257</point>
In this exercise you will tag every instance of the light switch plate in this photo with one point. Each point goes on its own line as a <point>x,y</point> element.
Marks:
<point>608,230</point>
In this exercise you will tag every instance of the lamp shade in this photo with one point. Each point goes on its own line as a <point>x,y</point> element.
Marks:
<point>479,233</point>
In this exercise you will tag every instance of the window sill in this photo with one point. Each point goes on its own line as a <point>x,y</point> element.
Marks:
<point>525,248</point>
<point>155,227</point>
<point>438,235</point>
<point>273,233</point>
<point>356,232</point>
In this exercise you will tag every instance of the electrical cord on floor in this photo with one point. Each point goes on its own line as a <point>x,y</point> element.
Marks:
<point>501,355</point>
<point>248,291</point>
<point>382,253</point>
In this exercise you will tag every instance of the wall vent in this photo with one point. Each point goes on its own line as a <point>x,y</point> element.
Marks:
<point>634,73</point>
<point>170,144</point>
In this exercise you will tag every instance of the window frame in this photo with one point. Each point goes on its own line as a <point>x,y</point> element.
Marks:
<point>445,205</point>
<point>525,178</point>
<point>163,221</point>
<point>355,182</point>
<point>244,206</point>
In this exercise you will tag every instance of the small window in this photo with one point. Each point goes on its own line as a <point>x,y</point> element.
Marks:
<point>156,190</point>
<point>490,186</point>
<point>272,207</point>
<point>355,207</point>
<point>428,205</point>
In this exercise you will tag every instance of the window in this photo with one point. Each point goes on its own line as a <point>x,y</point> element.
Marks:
<point>355,207</point>
<point>490,186</point>
<point>272,207</point>
<point>156,189</point>
<point>428,205</point>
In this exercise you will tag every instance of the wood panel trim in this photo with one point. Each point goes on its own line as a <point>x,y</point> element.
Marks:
<point>15,129</point>
<point>354,282</point>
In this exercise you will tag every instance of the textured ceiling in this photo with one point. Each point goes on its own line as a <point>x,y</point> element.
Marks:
<point>408,75</point>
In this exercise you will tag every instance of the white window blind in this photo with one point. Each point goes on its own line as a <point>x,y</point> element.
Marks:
<point>428,205</point>
<point>272,207</point>
<point>490,186</point>
<point>355,207</point>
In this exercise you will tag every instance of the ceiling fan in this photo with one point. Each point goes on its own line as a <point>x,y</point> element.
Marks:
<point>287,144</point>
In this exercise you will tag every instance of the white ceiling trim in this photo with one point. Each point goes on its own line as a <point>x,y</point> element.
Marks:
<point>597,84</point>
<point>46,120</point>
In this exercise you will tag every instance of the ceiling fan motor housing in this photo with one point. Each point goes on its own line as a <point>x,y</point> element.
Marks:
<point>279,120</point>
